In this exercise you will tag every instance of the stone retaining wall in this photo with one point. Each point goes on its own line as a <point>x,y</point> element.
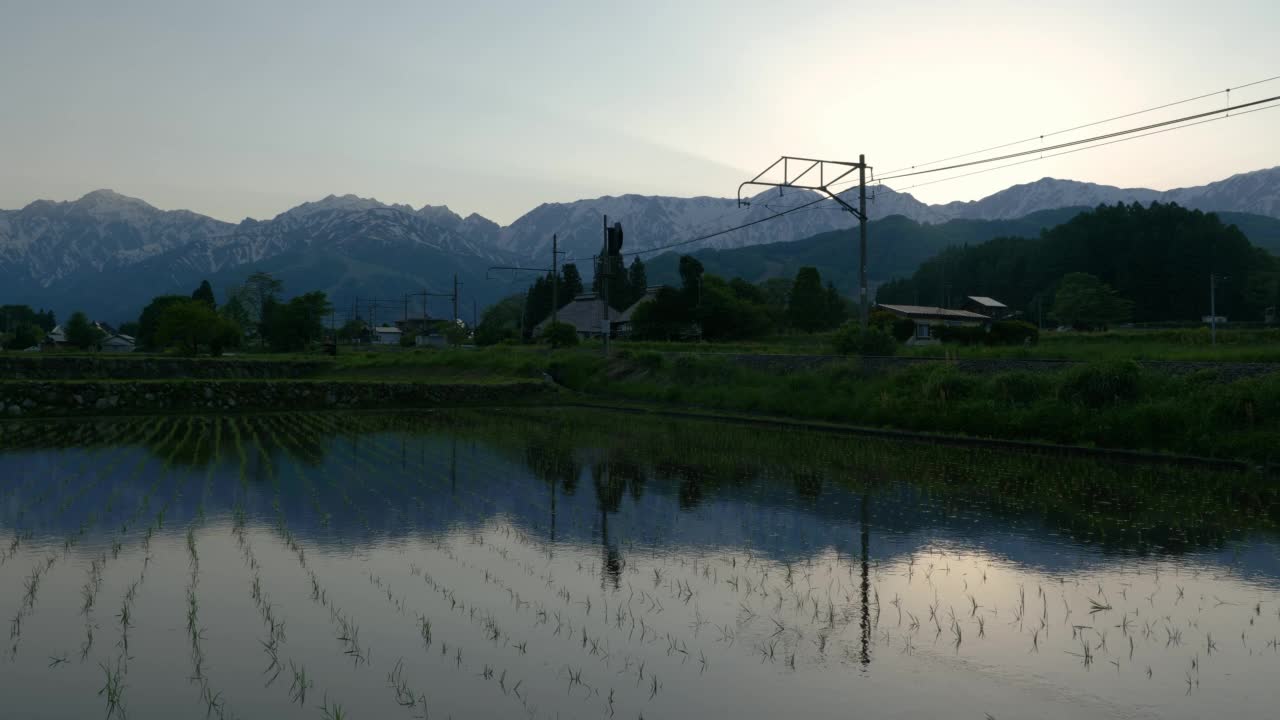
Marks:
<point>785,364</point>
<point>76,367</point>
<point>28,399</point>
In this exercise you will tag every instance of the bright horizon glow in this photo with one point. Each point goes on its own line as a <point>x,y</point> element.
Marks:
<point>242,109</point>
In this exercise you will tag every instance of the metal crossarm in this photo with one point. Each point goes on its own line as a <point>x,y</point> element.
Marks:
<point>798,173</point>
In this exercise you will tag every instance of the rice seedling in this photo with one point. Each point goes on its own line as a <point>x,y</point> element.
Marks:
<point>113,690</point>
<point>300,685</point>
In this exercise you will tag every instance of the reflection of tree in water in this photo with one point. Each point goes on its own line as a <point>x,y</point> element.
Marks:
<point>611,477</point>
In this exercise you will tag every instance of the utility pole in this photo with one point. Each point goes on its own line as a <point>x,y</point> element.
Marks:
<point>455,298</point>
<point>1213,309</point>
<point>829,173</point>
<point>604,285</point>
<point>555,280</point>
<point>862,239</point>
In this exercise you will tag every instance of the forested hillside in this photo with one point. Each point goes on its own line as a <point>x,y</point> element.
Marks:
<point>1158,257</point>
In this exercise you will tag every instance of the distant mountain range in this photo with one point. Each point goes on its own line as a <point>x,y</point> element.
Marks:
<point>896,246</point>
<point>110,253</point>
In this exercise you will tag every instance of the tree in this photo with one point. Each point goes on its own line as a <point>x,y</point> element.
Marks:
<point>14,316</point>
<point>354,330</point>
<point>570,283</point>
<point>149,321</point>
<point>1159,256</point>
<point>836,310</point>
<point>129,328</point>
<point>81,333</point>
<point>235,311</point>
<point>666,317</point>
<point>637,280</point>
<point>296,324</point>
<point>690,277</point>
<point>204,294</point>
<point>807,309</point>
<point>24,336</point>
<point>1085,302</point>
<point>259,292</point>
<point>559,335</point>
<point>500,321</point>
<point>192,324</point>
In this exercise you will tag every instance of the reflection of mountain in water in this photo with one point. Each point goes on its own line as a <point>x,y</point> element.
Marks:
<point>342,481</point>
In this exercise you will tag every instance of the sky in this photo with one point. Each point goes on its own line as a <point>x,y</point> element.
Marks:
<point>245,109</point>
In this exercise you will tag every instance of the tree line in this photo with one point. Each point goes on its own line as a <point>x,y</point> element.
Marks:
<point>254,314</point>
<point>1115,263</point>
<point>703,305</point>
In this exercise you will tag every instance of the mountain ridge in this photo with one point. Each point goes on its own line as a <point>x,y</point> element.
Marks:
<point>52,251</point>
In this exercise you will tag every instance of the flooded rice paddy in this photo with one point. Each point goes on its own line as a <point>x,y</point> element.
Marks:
<point>556,564</point>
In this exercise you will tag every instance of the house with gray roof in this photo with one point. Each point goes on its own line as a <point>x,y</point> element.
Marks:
<point>586,314</point>
<point>925,317</point>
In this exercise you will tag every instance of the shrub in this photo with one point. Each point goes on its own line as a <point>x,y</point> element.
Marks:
<point>559,335</point>
<point>853,340</point>
<point>1100,384</point>
<point>1013,332</point>
<point>946,384</point>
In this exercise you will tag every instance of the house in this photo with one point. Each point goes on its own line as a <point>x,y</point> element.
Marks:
<point>990,307</point>
<point>586,315</point>
<point>623,327</point>
<point>924,317</point>
<point>416,324</point>
<point>387,335</point>
<point>117,343</point>
<point>56,337</point>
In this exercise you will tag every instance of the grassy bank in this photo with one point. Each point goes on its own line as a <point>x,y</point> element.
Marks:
<point>1111,404</point>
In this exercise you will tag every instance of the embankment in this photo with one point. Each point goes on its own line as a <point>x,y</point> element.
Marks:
<point>96,397</point>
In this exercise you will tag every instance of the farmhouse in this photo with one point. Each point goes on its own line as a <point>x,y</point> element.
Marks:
<point>983,305</point>
<point>586,315</point>
<point>118,343</point>
<point>623,327</point>
<point>924,317</point>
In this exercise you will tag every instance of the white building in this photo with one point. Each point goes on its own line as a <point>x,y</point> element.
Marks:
<point>387,335</point>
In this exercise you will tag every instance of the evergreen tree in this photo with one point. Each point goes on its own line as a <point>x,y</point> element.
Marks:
<point>638,281</point>
<point>570,283</point>
<point>836,312</point>
<point>204,294</point>
<point>807,309</point>
<point>81,333</point>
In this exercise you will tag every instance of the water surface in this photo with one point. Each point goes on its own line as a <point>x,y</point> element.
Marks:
<point>573,564</point>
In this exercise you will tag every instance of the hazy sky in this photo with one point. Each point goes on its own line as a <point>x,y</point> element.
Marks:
<point>239,109</point>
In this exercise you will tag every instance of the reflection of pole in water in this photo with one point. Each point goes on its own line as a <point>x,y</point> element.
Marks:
<point>865,537</point>
<point>453,467</point>
<point>611,568</point>
<point>552,484</point>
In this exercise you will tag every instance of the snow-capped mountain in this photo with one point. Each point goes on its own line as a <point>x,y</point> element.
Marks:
<point>1256,192</point>
<point>46,241</point>
<point>106,248</point>
<point>113,253</point>
<point>653,221</point>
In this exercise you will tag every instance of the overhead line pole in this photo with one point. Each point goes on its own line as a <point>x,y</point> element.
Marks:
<point>822,185</point>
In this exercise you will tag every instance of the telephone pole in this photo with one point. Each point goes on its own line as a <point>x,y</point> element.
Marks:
<point>604,285</point>
<point>556,252</point>
<point>455,298</point>
<point>829,172</point>
<point>555,280</point>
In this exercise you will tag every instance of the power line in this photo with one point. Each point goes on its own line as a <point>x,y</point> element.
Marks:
<point>1082,149</point>
<point>1096,138</point>
<point>725,231</point>
<point>1179,123</point>
<point>1086,125</point>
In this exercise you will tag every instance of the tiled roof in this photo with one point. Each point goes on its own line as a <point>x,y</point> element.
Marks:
<point>932,313</point>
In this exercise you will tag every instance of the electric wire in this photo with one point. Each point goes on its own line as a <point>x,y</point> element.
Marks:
<point>1228,91</point>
